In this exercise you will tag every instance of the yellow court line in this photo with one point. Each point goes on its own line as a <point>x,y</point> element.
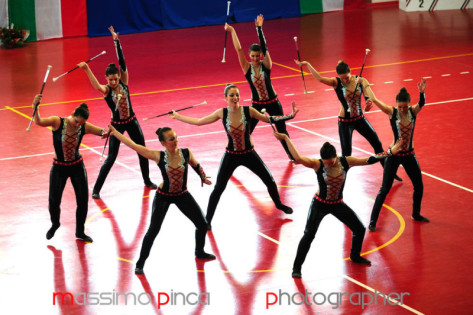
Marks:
<point>290,68</point>
<point>238,82</point>
<point>402,227</point>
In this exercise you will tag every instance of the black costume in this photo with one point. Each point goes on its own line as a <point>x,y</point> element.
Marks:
<point>329,200</point>
<point>174,190</point>
<point>239,151</point>
<point>67,164</point>
<point>123,119</point>
<point>407,158</point>
<point>263,95</point>
<point>354,120</point>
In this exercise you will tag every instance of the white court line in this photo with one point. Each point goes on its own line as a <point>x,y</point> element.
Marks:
<point>446,75</point>
<point>427,77</point>
<point>328,89</point>
<point>289,94</point>
<point>310,92</point>
<point>388,82</point>
<point>267,237</point>
<point>466,72</point>
<point>374,291</point>
<point>408,80</point>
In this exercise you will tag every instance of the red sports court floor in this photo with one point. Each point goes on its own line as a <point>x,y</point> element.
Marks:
<point>255,243</point>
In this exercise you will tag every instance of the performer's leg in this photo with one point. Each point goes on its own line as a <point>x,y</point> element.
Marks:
<point>159,209</point>
<point>365,129</point>
<point>228,165</point>
<point>346,215</point>
<point>253,162</point>
<point>79,182</point>
<point>254,121</point>
<point>316,214</point>
<point>275,109</point>
<point>136,134</point>
<point>189,207</point>
<point>57,182</point>
<point>390,167</point>
<point>114,146</point>
<point>411,165</point>
<point>345,131</point>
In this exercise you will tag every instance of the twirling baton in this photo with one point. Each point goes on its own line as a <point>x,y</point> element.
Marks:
<point>177,110</point>
<point>42,88</point>
<point>56,78</point>
<point>299,56</point>
<point>119,96</point>
<point>225,45</point>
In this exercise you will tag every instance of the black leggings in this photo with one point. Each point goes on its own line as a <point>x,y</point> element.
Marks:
<point>188,206</point>
<point>57,181</point>
<point>273,109</point>
<point>228,165</point>
<point>134,131</point>
<point>345,131</point>
<point>317,212</point>
<point>411,165</point>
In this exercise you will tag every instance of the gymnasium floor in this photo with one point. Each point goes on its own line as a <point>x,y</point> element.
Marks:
<point>255,243</point>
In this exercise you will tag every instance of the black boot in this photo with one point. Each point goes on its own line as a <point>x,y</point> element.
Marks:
<point>420,218</point>
<point>52,230</point>
<point>360,260</point>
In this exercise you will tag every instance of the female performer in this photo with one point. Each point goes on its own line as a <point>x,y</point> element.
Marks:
<point>331,173</point>
<point>403,119</point>
<point>350,116</point>
<point>173,163</point>
<point>257,73</point>
<point>117,97</point>
<point>239,151</point>
<point>67,163</point>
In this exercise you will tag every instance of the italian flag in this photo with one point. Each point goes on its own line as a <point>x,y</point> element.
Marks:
<point>319,6</point>
<point>48,18</point>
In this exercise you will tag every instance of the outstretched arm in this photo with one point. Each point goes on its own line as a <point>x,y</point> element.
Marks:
<point>262,117</point>
<point>93,80</point>
<point>421,85</point>
<point>218,114</point>
<point>53,121</point>
<point>121,57</point>
<point>236,43</point>
<point>353,161</point>
<point>262,41</point>
<point>198,169</point>
<point>141,150</point>
<point>325,80</point>
<point>93,129</point>
<point>304,160</point>
<point>383,107</point>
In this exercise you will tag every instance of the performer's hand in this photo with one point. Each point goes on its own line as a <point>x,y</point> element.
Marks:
<point>300,63</point>
<point>206,181</point>
<point>360,80</point>
<point>259,20</point>
<point>111,130</point>
<point>397,146</point>
<point>295,110</point>
<point>112,31</point>
<point>83,65</point>
<point>229,28</point>
<point>105,133</point>
<point>280,136</point>
<point>422,85</point>
<point>37,100</point>
<point>368,105</point>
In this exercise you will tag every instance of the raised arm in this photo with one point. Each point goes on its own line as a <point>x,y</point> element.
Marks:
<point>421,85</point>
<point>325,80</point>
<point>218,114</point>
<point>93,80</point>
<point>141,150</point>
<point>304,160</point>
<point>198,169</point>
<point>262,41</point>
<point>236,43</point>
<point>121,58</point>
<point>264,118</point>
<point>53,121</point>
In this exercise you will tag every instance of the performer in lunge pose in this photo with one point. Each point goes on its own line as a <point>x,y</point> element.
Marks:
<point>402,119</point>
<point>67,163</point>
<point>257,73</point>
<point>173,163</point>
<point>331,173</point>
<point>239,151</point>
<point>351,115</point>
<point>123,117</point>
